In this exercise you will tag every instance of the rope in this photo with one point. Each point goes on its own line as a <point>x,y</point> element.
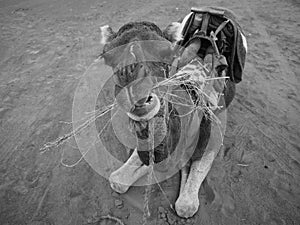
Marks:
<point>146,213</point>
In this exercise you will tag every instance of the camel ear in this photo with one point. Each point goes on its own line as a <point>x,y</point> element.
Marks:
<point>244,42</point>
<point>107,34</point>
<point>173,32</point>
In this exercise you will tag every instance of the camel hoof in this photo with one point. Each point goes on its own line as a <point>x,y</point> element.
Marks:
<point>116,185</point>
<point>187,205</point>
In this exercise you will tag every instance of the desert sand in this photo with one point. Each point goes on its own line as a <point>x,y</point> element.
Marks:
<point>46,46</point>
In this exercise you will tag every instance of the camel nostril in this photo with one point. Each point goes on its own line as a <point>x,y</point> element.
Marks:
<point>149,99</point>
<point>145,108</point>
<point>143,101</point>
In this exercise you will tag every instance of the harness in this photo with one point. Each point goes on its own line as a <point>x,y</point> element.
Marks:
<point>215,27</point>
<point>196,26</point>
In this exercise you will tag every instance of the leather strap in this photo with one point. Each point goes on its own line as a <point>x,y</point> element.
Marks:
<point>221,26</point>
<point>205,20</point>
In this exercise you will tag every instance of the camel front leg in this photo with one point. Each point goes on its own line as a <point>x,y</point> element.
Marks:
<point>184,176</point>
<point>133,169</point>
<point>187,203</point>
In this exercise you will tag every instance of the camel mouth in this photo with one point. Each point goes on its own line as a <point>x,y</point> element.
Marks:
<point>145,109</point>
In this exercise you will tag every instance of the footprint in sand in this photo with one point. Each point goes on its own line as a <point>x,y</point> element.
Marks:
<point>224,202</point>
<point>286,187</point>
<point>220,196</point>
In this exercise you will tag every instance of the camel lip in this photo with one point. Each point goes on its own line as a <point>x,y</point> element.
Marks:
<point>146,111</point>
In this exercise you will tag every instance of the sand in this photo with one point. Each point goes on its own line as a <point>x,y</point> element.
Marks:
<point>45,48</point>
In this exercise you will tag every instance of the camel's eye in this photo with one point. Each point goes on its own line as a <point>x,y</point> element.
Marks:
<point>120,78</point>
<point>110,58</point>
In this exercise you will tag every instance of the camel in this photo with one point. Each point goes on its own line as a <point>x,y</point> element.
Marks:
<point>146,58</point>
